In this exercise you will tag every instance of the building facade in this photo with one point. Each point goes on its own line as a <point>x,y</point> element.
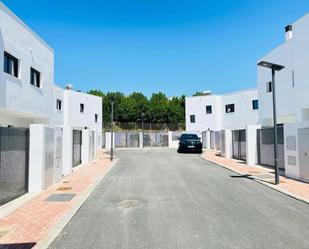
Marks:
<point>45,130</point>
<point>291,96</point>
<point>233,110</point>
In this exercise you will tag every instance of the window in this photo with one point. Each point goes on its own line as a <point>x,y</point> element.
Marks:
<point>269,87</point>
<point>192,118</point>
<point>255,104</point>
<point>82,108</point>
<point>10,65</point>
<point>229,108</point>
<point>59,104</point>
<point>208,109</point>
<point>35,77</point>
<point>96,118</point>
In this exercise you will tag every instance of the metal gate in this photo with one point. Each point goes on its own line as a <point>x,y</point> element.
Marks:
<point>265,138</point>
<point>222,142</point>
<point>212,140</point>
<point>14,155</point>
<point>103,140</point>
<point>91,145</point>
<point>217,140</point>
<point>126,140</point>
<point>155,139</point>
<point>239,144</point>
<point>77,147</point>
<point>204,139</point>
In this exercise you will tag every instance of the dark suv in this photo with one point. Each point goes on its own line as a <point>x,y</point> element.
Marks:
<point>190,142</point>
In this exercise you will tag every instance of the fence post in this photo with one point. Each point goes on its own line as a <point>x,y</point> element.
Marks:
<point>36,158</point>
<point>251,145</point>
<point>141,139</point>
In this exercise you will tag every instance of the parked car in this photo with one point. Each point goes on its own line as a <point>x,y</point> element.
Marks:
<point>190,143</point>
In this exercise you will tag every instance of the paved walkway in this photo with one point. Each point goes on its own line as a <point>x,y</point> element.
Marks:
<point>297,189</point>
<point>34,220</point>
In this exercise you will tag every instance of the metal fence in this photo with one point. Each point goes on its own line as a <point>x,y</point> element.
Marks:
<point>77,147</point>
<point>222,142</point>
<point>126,139</point>
<point>265,138</point>
<point>212,139</point>
<point>155,139</point>
<point>217,140</point>
<point>103,140</point>
<point>239,143</point>
<point>204,139</point>
<point>133,126</point>
<point>14,153</point>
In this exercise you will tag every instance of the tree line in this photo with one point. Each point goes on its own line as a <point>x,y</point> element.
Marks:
<point>135,106</point>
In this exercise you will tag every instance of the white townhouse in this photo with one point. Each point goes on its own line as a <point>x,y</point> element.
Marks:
<point>292,96</point>
<point>45,130</point>
<point>233,110</point>
<point>26,76</point>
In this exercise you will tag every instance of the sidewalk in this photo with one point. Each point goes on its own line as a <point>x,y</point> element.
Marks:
<point>38,221</point>
<point>294,188</point>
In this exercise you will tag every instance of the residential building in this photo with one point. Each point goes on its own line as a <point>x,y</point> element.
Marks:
<point>26,76</point>
<point>45,130</point>
<point>291,97</point>
<point>233,110</point>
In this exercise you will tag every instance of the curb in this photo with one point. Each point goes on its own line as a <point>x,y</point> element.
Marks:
<point>257,180</point>
<point>57,229</point>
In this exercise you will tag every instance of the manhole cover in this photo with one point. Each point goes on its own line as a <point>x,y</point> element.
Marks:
<point>64,188</point>
<point>59,197</point>
<point>128,204</point>
<point>65,181</point>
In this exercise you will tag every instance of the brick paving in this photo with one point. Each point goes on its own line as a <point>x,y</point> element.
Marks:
<point>31,222</point>
<point>297,189</point>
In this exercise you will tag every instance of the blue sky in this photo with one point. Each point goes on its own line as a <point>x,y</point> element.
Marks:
<point>178,47</point>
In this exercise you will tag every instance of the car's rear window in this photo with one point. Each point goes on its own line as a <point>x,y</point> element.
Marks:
<point>189,136</point>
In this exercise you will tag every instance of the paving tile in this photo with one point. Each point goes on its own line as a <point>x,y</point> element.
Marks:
<point>287,185</point>
<point>34,219</point>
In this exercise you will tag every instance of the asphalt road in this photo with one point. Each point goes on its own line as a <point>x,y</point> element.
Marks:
<point>156,198</point>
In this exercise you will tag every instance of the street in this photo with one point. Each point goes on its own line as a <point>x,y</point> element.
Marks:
<point>157,198</point>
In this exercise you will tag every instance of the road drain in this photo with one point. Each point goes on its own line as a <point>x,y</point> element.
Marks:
<point>128,204</point>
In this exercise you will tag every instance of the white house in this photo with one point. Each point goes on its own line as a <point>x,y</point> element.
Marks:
<point>292,97</point>
<point>233,110</point>
<point>27,74</point>
<point>45,130</point>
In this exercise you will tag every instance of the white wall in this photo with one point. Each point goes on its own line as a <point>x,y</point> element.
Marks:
<point>244,114</point>
<point>58,115</point>
<point>17,94</point>
<point>291,92</point>
<point>72,114</point>
<point>197,106</point>
<point>218,120</point>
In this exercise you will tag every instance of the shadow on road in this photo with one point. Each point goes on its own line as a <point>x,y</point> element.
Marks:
<point>17,246</point>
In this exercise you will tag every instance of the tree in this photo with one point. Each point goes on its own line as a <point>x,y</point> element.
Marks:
<point>158,108</point>
<point>198,93</point>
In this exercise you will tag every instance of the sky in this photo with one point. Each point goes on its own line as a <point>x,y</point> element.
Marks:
<point>174,46</point>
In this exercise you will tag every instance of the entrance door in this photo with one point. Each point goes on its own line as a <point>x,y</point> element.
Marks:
<point>303,145</point>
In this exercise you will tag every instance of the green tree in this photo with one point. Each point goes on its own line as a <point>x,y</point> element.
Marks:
<point>158,108</point>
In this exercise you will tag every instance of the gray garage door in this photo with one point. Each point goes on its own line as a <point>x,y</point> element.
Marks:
<point>14,153</point>
<point>77,147</point>
<point>265,137</point>
<point>239,144</point>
